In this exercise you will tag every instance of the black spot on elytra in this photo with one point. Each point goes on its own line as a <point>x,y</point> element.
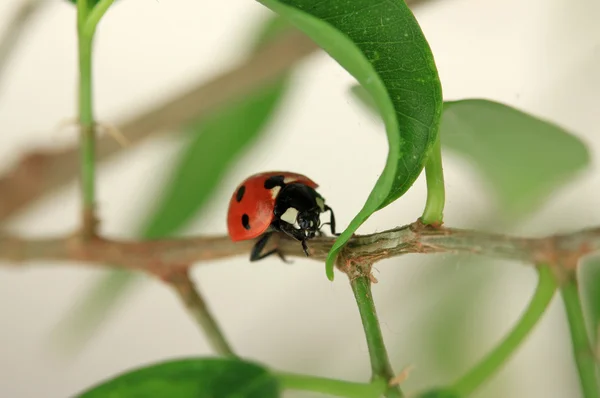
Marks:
<point>275,181</point>
<point>240,193</point>
<point>246,221</point>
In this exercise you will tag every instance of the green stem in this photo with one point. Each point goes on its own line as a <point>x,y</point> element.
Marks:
<point>436,194</point>
<point>338,388</point>
<point>86,122</point>
<point>582,351</point>
<point>83,8</point>
<point>380,363</point>
<point>495,360</point>
<point>88,16</point>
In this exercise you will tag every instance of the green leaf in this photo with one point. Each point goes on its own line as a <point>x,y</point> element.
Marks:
<point>215,144</point>
<point>589,280</point>
<point>523,159</point>
<point>191,378</point>
<point>439,394</point>
<point>92,3</point>
<point>364,97</point>
<point>383,47</point>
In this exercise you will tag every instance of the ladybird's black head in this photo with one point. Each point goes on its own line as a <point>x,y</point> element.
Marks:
<point>297,211</point>
<point>309,222</point>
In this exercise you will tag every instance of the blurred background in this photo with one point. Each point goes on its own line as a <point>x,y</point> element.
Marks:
<point>438,313</point>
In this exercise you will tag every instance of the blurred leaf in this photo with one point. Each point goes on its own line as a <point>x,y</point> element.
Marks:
<point>191,378</point>
<point>522,158</point>
<point>589,280</point>
<point>439,394</point>
<point>383,47</point>
<point>91,2</point>
<point>216,143</point>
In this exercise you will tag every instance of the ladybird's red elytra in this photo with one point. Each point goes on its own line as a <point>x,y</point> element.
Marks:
<point>276,201</point>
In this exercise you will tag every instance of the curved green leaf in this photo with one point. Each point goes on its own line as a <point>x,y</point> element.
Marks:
<point>381,44</point>
<point>191,378</point>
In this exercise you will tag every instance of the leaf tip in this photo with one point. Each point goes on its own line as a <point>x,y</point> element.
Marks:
<point>329,266</point>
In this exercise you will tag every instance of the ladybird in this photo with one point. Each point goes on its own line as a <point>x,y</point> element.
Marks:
<point>276,201</point>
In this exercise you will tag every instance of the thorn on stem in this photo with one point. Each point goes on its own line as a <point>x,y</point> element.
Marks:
<point>373,279</point>
<point>401,377</point>
<point>115,133</point>
<point>110,129</point>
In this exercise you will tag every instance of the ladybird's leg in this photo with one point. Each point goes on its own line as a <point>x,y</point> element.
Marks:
<point>332,220</point>
<point>256,255</point>
<point>282,257</point>
<point>290,231</point>
<point>320,231</point>
<point>295,234</point>
<point>305,248</point>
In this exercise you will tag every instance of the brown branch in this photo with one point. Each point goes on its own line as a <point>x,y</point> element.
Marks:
<point>165,257</point>
<point>40,172</point>
<point>190,295</point>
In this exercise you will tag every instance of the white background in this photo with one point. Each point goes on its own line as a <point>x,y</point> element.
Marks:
<point>541,56</point>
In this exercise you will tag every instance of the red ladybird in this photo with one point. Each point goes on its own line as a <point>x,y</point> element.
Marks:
<point>276,201</point>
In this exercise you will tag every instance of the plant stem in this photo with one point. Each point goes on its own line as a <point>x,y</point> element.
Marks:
<point>86,122</point>
<point>436,194</point>
<point>380,363</point>
<point>582,350</point>
<point>196,306</point>
<point>87,148</point>
<point>542,297</point>
<point>334,387</point>
<point>83,8</point>
<point>88,17</point>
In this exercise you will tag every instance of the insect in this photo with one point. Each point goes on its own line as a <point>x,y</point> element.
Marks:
<point>276,201</point>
